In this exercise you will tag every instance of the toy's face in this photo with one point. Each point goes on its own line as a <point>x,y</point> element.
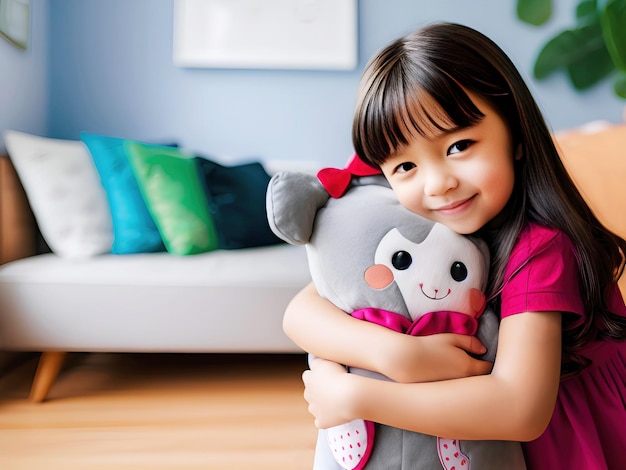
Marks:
<point>446,271</point>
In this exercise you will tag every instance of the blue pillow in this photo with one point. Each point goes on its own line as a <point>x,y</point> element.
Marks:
<point>236,197</point>
<point>134,230</point>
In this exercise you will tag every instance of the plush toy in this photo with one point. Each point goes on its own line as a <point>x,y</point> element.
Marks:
<point>379,262</point>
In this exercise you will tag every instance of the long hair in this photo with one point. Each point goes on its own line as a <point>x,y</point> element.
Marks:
<point>440,62</point>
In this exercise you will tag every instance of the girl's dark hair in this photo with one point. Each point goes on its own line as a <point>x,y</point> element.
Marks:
<point>441,62</point>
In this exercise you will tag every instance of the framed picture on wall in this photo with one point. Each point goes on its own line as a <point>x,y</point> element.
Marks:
<point>15,21</point>
<point>266,34</point>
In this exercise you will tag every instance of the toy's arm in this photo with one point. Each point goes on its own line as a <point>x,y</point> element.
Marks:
<point>322,329</point>
<point>514,402</point>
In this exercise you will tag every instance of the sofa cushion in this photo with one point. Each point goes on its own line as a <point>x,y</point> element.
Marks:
<point>65,193</point>
<point>236,198</point>
<point>134,231</point>
<point>170,185</point>
<point>221,301</point>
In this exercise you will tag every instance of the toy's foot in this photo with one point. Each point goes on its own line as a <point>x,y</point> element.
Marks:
<point>450,454</point>
<point>351,443</point>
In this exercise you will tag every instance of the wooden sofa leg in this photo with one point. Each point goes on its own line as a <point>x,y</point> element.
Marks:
<point>49,366</point>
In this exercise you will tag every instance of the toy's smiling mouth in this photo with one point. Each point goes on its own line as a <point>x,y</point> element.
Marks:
<point>436,296</point>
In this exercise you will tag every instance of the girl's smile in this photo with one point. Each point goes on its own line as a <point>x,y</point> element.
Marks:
<point>455,208</point>
<point>461,177</point>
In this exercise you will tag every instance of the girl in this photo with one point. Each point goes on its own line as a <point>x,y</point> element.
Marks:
<point>448,119</point>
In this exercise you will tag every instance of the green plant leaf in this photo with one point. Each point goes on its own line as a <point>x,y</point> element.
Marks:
<point>555,54</point>
<point>535,12</point>
<point>620,86</point>
<point>580,51</point>
<point>587,12</point>
<point>590,51</point>
<point>613,21</point>
<point>592,70</point>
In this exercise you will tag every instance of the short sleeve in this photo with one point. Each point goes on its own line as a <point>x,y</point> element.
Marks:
<point>542,274</point>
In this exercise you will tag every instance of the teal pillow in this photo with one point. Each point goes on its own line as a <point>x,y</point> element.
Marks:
<point>134,231</point>
<point>236,197</point>
<point>170,185</point>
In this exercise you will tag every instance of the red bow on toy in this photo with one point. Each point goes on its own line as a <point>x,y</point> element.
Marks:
<point>336,180</point>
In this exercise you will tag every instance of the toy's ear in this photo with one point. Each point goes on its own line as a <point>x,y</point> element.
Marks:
<point>292,202</point>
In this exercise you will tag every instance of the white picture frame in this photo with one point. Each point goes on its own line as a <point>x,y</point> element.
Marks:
<point>266,34</point>
<point>15,21</point>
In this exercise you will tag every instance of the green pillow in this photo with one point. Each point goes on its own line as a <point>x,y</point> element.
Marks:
<point>170,185</point>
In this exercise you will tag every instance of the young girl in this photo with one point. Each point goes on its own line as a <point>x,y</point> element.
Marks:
<point>448,119</point>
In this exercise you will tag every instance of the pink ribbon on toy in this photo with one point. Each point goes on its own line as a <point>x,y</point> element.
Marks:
<point>337,180</point>
<point>442,321</point>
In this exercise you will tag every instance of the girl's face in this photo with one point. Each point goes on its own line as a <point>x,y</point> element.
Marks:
<point>462,178</point>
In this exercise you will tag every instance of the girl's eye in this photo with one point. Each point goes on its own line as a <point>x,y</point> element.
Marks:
<point>405,167</point>
<point>460,146</point>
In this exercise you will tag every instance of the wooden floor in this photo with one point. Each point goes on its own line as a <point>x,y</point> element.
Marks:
<point>159,411</point>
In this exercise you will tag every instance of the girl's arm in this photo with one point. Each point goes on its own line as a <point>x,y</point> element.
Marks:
<point>514,402</point>
<point>319,327</point>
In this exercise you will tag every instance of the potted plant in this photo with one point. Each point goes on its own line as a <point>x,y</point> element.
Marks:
<point>592,50</point>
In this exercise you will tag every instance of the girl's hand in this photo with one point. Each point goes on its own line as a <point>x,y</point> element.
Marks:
<point>322,329</point>
<point>326,390</point>
<point>432,358</point>
<point>420,359</point>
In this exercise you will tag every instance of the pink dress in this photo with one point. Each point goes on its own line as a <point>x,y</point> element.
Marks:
<point>588,426</point>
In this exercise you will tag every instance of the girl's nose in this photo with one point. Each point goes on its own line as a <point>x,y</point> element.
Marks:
<point>439,182</point>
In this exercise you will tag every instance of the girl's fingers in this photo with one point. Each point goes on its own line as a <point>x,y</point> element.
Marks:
<point>472,345</point>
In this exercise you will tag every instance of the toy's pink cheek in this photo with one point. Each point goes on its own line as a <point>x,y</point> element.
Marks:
<point>478,301</point>
<point>378,276</point>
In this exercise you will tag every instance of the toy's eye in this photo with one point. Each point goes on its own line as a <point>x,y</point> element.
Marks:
<point>458,271</point>
<point>401,260</point>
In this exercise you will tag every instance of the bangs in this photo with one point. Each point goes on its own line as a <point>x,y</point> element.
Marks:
<point>406,104</point>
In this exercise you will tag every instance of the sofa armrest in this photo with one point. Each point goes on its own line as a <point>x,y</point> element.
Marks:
<point>18,230</point>
<point>595,157</point>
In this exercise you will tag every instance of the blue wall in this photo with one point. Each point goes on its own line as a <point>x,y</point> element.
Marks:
<point>110,71</point>
<point>23,78</point>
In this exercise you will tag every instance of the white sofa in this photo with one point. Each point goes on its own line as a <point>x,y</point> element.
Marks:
<point>227,301</point>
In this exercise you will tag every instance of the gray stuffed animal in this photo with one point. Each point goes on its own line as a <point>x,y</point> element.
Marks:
<point>363,249</point>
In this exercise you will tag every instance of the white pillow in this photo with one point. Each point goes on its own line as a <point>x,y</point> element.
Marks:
<point>65,193</point>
